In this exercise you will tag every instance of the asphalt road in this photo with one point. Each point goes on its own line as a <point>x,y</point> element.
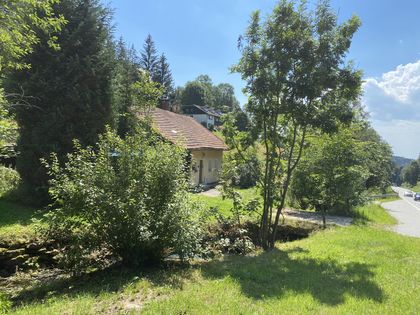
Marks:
<point>407,212</point>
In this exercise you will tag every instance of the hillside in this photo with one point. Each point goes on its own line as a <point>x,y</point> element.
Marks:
<point>401,161</point>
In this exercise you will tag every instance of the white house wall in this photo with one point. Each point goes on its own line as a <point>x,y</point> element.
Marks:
<point>203,118</point>
<point>212,166</point>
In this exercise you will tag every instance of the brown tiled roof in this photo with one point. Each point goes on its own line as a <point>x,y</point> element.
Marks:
<point>185,131</point>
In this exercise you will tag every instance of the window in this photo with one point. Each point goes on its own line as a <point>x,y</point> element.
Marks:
<point>216,165</point>
<point>209,165</point>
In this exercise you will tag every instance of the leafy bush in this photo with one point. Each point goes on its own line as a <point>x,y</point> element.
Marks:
<point>128,197</point>
<point>242,171</point>
<point>332,174</point>
<point>9,180</point>
<point>230,234</point>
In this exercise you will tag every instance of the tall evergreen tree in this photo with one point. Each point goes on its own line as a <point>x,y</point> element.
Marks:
<point>163,75</point>
<point>149,57</point>
<point>125,74</point>
<point>70,90</point>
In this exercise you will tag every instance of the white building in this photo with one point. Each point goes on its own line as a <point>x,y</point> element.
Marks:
<point>205,148</point>
<point>206,116</point>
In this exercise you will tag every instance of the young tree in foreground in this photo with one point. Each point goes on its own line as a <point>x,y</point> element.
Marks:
<point>297,80</point>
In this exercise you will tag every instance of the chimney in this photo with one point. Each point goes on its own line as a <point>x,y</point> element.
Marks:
<point>164,104</point>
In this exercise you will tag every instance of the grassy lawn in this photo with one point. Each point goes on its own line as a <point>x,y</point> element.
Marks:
<point>225,205</point>
<point>356,270</point>
<point>374,213</point>
<point>15,221</point>
<point>362,269</point>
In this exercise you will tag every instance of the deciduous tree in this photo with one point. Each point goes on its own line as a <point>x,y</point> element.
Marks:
<point>297,79</point>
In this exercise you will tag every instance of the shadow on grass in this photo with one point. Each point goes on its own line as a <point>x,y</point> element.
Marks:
<point>13,213</point>
<point>110,280</point>
<point>268,275</point>
<point>275,273</point>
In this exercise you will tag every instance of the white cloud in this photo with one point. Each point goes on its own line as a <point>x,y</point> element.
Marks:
<point>402,135</point>
<point>396,95</point>
<point>393,102</point>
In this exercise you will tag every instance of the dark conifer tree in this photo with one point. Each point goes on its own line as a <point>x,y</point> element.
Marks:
<point>163,75</point>
<point>126,73</point>
<point>70,91</point>
<point>149,57</point>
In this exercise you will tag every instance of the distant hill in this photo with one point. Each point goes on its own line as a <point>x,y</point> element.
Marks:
<point>401,161</point>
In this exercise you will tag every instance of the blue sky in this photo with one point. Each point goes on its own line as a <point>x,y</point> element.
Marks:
<point>200,37</point>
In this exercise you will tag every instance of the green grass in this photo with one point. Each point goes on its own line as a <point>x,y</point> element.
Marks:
<point>354,270</point>
<point>373,213</point>
<point>225,205</point>
<point>388,199</point>
<point>415,188</point>
<point>361,269</point>
<point>15,221</point>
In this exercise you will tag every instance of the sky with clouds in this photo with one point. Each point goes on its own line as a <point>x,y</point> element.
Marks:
<point>200,37</point>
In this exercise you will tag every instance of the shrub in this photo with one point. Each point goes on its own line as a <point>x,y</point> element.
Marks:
<point>126,196</point>
<point>241,172</point>
<point>9,180</point>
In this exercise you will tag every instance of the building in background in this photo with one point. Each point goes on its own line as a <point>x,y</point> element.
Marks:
<point>205,149</point>
<point>206,116</point>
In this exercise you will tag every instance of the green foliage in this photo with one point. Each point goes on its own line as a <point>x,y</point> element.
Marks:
<point>9,180</point>
<point>145,94</point>
<point>354,270</point>
<point>240,208</point>
<point>336,170</point>
<point>16,223</point>
<point>224,98</point>
<point>194,93</point>
<point>411,173</point>
<point>5,304</point>
<point>157,67</point>
<point>373,213</point>
<point>378,158</point>
<point>297,78</point>
<point>163,75</point>
<point>8,127</point>
<point>128,196</point>
<point>219,206</point>
<point>125,75</point>
<point>69,91</point>
<point>20,22</point>
<point>241,170</point>
<point>203,92</point>
<point>148,56</point>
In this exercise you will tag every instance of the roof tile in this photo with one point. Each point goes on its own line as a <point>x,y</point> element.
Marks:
<point>185,131</point>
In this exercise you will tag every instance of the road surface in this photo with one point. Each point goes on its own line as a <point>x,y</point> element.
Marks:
<point>407,212</point>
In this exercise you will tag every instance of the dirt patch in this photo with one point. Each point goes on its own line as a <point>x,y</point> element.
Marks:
<point>214,192</point>
<point>316,218</point>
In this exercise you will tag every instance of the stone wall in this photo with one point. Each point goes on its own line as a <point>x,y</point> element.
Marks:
<point>26,256</point>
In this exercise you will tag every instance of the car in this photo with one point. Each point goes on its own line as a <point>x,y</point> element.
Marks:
<point>408,193</point>
<point>416,197</point>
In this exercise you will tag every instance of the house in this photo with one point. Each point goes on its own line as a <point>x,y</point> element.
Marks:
<point>205,148</point>
<point>206,116</point>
